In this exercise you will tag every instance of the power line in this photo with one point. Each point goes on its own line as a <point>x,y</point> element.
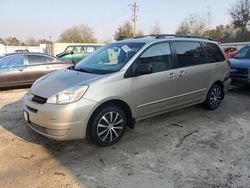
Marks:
<point>134,17</point>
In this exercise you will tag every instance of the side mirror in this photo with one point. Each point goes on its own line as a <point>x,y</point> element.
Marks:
<point>142,69</point>
<point>71,52</point>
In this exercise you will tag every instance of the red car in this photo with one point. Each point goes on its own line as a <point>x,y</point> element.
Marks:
<point>230,51</point>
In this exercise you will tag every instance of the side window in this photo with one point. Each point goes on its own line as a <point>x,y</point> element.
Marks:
<point>89,49</point>
<point>189,53</point>
<point>38,59</point>
<point>78,49</point>
<point>159,56</point>
<point>214,53</point>
<point>12,61</point>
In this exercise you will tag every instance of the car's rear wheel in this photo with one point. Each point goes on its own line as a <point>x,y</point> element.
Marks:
<point>108,126</point>
<point>214,97</point>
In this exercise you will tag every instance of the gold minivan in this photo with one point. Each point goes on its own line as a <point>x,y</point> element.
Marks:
<point>126,81</point>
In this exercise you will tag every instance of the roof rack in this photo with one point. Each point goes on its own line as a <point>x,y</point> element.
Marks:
<point>160,36</point>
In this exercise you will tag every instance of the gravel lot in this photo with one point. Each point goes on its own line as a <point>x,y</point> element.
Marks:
<point>192,147</point>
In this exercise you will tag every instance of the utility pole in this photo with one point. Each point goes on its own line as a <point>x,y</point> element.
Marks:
<point>134,17</point>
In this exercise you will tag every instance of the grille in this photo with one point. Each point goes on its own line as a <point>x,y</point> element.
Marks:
<point>239,72</point>
<point>39,100</point>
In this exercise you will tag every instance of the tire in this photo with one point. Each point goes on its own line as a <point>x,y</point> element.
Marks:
<point>108,126</point>
<point>214,97</point>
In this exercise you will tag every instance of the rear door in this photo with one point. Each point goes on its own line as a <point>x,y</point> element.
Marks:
<point>38,65</point>
<point>194,74</point>
<point>154,93</point>
<point>13,70</point>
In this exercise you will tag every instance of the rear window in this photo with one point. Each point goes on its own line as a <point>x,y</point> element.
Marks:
<point>38,59</point>
<point>214,53</point>
<point>189,53</point>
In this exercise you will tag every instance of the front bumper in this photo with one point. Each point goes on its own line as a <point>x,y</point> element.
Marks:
<point>239,81</point>
<point>59,122</point>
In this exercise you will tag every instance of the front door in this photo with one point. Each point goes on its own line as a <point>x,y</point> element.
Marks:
<point>154,93</point>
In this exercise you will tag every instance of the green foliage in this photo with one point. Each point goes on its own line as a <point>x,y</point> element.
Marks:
<point>124,31</point>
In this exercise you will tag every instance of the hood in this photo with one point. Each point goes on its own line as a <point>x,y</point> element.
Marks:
<point>240,63</point>
<point>58,81</point>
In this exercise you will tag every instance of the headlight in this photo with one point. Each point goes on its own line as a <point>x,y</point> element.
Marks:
<point>68,96</point>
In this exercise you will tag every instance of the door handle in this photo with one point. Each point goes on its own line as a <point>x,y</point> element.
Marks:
<point>47,67</point>
<point>171,75</point>
<point>182,73</point>
<point>21,70</point>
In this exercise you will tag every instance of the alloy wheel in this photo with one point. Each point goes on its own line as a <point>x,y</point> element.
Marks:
<point>110,126</point>
<point>215,97</point>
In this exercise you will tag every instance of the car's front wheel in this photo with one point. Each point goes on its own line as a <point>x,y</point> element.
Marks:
<point>108,125</point>
<point>214,97</point>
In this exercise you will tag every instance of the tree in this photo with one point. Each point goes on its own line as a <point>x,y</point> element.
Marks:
<point>78,34</point>
<point>31,42</point>
<point>240,13</point>
<point>223,33</point>
<point>194,24</point>
<point>2,41</point>
<point>124,31</point>
<point>155,29</point>
<point>12,41</point>
<point>139,33</point>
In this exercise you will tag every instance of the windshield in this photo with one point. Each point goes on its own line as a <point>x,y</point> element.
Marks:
<point>110,58</point>
<point>243,53</point>
<point>69,49</point>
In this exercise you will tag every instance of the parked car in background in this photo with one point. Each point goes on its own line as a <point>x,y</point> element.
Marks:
<point>19,69</point>
<point>76,53</point>
<point>240,66</point>
<point>230,51</point>
<point>125,81</point>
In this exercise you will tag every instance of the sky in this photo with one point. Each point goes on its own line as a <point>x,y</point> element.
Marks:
<point>25,19</point>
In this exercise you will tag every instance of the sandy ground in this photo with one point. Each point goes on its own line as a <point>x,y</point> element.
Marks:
<point>192,147</point>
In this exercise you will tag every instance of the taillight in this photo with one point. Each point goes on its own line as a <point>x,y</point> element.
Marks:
<point>229,63</point>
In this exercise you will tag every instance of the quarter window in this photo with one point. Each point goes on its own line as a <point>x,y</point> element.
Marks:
<point>214,53</point>
<point>189,53</point>
<point>159,56</point>
<point>12,61</point>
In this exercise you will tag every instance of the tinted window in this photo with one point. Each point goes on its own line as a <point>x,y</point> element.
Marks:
<point>37,59</point>
<point>189,53</point>
<point>243,53</point>
<point>12,61</point>
<point>159,56</point>
<point>214,53</point>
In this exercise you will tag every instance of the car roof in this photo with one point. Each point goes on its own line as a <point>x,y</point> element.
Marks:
<point>165,37</point>
<point>86,45</point>
<point>26,53</point>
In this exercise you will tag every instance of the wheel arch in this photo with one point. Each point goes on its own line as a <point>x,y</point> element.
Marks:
<point>113,102</point>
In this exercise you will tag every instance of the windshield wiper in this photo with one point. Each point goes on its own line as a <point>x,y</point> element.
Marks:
<point>82,70</point>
